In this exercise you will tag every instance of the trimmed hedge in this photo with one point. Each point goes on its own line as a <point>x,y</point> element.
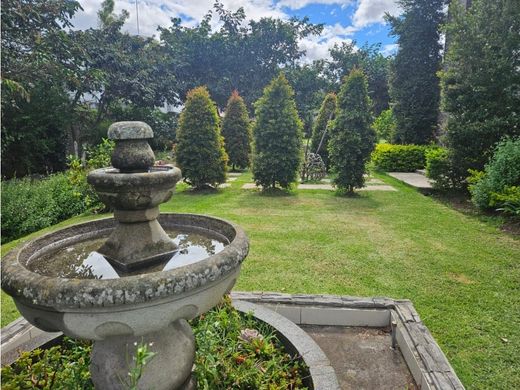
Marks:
<point>399,158</point>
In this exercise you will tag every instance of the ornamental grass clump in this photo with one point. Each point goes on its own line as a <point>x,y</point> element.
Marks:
<point>352,139</point>
<point>277,136</point>
<point>236,129</point>
<point>200,150</point>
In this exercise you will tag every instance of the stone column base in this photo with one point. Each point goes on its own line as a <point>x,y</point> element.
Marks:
<point>170,369</point>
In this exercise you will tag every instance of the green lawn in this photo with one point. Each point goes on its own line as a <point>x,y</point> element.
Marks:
<point>461,273</point>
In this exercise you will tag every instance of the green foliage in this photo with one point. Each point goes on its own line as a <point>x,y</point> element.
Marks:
<point>242,55</point>
<point>236,351</point>
<point>439,168</point>
<point>64,366</point>
<point>320,131</point>
<point>33,132</point>
<point>414,85</point>
<point>200,150</point>
<point>351,137</point>
<point>399,158</point>
<point>508,200</point>
<point>376,66</point>
<point>480,80</point>
<point>233,351</point>
<point>29,205</point>
<point>142,357</point>
<point>309,87</point>
<point>236,130</point>
<point>385,125</point>
<point>277,136</point>
<point>500,179</point>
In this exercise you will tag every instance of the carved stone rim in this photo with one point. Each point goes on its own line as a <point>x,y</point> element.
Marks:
<point>60,293</point>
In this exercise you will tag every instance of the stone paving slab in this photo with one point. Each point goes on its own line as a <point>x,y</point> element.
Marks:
<point>232,178</point>
<point>413,179</point>
<point>234,174</point>
<point>329,187</point>
<point>224,185</point>
<point>363,358</point>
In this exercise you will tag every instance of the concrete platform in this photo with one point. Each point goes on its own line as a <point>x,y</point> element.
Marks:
<point>413,179</point>
<point>363,358</point>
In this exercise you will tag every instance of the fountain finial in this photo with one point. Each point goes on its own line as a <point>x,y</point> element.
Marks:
<point>132,152</point>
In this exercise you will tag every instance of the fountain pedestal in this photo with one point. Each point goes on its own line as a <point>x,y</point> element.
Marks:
<point>175,342</point>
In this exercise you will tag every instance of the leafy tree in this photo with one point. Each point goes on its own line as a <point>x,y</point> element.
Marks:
<point>277,135</point>
<point>37,64</point>
<point>236,129</point>
<point>347,56</point>
<point>385,125</point>
<point>241,55</point>
<point>320,132</point>
<point>414,85</point>
<point>352,138</point>
<point>200,150</point>
<point>309,87</point>
<point>481,81</point>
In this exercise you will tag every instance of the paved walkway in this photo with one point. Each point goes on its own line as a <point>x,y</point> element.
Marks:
<point>371,185</point>
<point>413,179</point>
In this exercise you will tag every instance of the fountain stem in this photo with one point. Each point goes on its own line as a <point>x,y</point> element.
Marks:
<point>135,190</point>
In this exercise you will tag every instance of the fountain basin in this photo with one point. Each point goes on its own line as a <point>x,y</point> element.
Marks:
<point>137,190</point>
<point>135,305</point>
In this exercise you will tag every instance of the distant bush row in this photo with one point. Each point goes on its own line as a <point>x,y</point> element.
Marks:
<point>400,158</point>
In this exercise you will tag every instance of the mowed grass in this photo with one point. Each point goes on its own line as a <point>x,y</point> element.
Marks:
<point>462,274</point>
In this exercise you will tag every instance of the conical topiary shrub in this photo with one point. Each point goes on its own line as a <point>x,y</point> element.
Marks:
<point>200,150</point>
<point>236,129</point>
<point>277,136</point>
<point>320,131</point>
<point>352,139</point>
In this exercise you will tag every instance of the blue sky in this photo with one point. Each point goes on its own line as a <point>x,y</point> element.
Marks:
<point>344,20</point>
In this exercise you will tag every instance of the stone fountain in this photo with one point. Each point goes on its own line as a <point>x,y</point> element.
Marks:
<point>134,278</point>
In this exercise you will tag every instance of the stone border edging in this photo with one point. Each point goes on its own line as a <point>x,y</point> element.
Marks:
<point>426,361</point>
<point>298,342</point>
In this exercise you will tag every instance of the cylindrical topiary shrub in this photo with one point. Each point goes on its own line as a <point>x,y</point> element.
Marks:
<point>200,150</point>
<point>352,138</point>
<point>320,131</point>
<point>236,129</point>
<point>277,136</point>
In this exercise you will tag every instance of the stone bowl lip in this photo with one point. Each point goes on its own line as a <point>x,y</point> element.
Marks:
<point>165,174</point>
<point>62,294</point>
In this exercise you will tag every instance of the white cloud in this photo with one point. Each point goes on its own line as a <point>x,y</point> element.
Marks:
<point>372,11</point>
<point>299,4</point>
<point>317,47</point>
<point>390,49</point>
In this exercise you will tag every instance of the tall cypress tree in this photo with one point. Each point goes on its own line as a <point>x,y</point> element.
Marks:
<point>352,139</point>
<point>200,150</point>
<point>320,133</point>
<point>236,129</point>
<point>414,85</point>
<point>278,136</point>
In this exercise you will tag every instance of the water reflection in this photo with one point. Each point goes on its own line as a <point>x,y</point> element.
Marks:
<point>82,261</point>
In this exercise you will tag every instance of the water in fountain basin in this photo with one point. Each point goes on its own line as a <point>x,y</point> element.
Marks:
<point>82,261</point>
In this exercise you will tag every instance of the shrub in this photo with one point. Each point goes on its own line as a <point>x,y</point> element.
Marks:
<point>398,158</point>
<point>351,139</point>
<point>319,140</point>
<point>278,136</point>
<point>439,168</point>
<point>200,148</point>
<point>236,129</point>
<point>385,125</point>
<point>29,205</point>
<point>496,186</point>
